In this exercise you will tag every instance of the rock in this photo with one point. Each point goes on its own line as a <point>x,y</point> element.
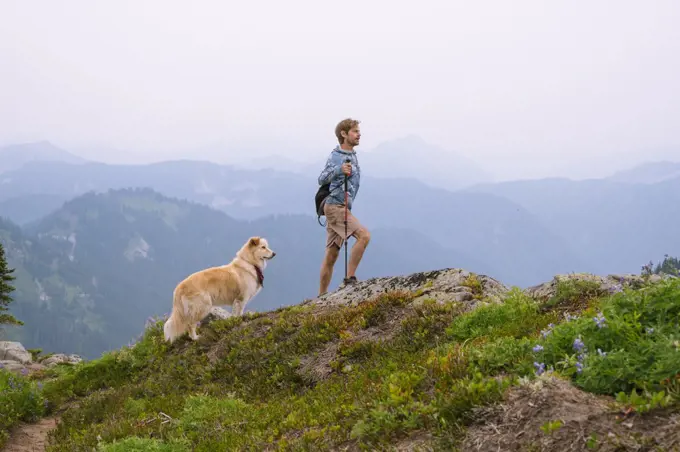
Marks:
<point>14,351</point>
<point>216,313</point>
<point>607,284</point>
<point>11,366</point>
<point>444,286</point>
<point>61,358</point>
<point>19,368</point>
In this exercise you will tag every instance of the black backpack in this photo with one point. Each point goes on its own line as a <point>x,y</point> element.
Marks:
<point>321,195</point>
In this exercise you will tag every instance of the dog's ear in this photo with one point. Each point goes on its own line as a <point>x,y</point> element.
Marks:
<point>254,241</point>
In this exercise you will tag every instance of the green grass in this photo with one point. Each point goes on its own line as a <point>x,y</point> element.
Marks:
<point>20,400</point>
<point>367,376</point>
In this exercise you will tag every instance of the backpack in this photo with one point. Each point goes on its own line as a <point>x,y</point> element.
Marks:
<point>321,195</point>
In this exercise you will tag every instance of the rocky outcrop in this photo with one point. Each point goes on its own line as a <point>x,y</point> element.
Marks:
<point>15,358</point>
<point>605,284</point>
<point>444,286</point>
<point>14,351</point>
<point>60,358</point>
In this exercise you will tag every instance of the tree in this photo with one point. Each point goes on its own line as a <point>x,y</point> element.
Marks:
<point>6,289</point>
<point>669,266</point>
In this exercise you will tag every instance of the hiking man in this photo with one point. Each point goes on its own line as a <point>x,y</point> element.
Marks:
<point>337,167</point>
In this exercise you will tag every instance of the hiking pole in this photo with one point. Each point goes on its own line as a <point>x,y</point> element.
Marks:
<point>346,238</point>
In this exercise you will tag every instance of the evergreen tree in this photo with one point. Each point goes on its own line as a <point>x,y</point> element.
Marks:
<point>6,289</point>
<point>669,266</point>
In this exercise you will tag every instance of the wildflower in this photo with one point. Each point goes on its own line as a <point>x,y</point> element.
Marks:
<point>538,348</point>
<point>24,371</point>
<point>540,368</point>
<point>579,367</point>
<point>545,333</point>
<point>601,353</point>
<point>600,320</point>
<point>616,288</point>
<point>2,366</point>
<point>649,330</point>
<point>578,344</point>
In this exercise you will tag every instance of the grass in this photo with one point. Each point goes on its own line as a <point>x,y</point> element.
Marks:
<point>369,376</point>
<point>20,400</point>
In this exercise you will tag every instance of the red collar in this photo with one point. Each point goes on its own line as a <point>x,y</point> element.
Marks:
<point>260,275</point>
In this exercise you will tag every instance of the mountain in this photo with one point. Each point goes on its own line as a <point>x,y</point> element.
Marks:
<point>27,208</point>
<point>616,226</point>
<point>489,228</point>
<point>413,157</point>
<point>648,173</point>
<point>15,156</point>
<point>90,273</point>
<point>245,194</point>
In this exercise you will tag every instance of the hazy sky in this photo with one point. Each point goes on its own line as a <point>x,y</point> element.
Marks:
<point>517,86</point>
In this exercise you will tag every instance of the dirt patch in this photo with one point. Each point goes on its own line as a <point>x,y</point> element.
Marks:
<point>580,421</point>
<point>30,437</point>
<point>418,442</point>
<point>318,366</point>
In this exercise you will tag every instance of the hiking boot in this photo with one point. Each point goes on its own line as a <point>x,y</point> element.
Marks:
<point>350,280</point>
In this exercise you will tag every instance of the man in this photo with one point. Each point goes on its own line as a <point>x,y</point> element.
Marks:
<point>348,134</point>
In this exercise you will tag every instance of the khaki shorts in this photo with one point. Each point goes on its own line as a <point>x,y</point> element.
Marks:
<point>335,224</point>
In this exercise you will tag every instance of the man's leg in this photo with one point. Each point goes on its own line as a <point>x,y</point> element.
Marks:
<point>332,252</point>
<point>362,238</point>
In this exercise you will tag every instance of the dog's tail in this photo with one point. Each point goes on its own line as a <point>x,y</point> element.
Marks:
<point>173,328</point>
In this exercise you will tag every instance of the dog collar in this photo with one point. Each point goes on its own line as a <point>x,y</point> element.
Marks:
<point>260,275</point>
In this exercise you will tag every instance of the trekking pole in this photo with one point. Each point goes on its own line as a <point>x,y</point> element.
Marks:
<point>346,238</point>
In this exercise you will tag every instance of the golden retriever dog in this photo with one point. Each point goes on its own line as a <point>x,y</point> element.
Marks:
<point>233,284</point>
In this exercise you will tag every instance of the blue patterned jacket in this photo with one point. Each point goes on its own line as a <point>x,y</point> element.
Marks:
<point>332,173</point>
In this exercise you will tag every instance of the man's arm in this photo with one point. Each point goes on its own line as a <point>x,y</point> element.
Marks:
<point>332,170</point>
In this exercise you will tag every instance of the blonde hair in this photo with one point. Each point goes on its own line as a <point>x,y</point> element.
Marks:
<point>345,126</point>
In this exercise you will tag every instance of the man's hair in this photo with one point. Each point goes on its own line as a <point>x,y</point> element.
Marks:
<point>344,126</point>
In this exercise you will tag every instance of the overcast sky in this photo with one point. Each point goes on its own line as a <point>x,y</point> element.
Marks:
<point>517,86</point>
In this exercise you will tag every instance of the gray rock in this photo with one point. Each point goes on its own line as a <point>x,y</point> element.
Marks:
<point>216,313</point>
<point>609,284</point>
<point>14,351</point>
<point>444,286</point>
<point>19,368</point>
<point>12,366</point>
<point>61,358</point>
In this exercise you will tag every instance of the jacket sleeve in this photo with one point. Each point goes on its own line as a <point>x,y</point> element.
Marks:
<point>332,169</point>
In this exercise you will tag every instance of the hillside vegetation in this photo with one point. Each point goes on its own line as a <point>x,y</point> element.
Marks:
<point>598,362</point>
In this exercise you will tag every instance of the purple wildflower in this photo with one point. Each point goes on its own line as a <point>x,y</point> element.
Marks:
<point>546,332</point>
<point>579,367</point>
<point>578,344</point>
<point>616,289</point>
<point>24,371</point>
<point>600,320</point>
<point>538,348</point>
<point>540,368</point>
<point>649,330</point>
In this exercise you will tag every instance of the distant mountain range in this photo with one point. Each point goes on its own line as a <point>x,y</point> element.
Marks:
<point>15,156</point>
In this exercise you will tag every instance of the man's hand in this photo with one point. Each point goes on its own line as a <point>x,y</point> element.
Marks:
<point>347,169</point>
